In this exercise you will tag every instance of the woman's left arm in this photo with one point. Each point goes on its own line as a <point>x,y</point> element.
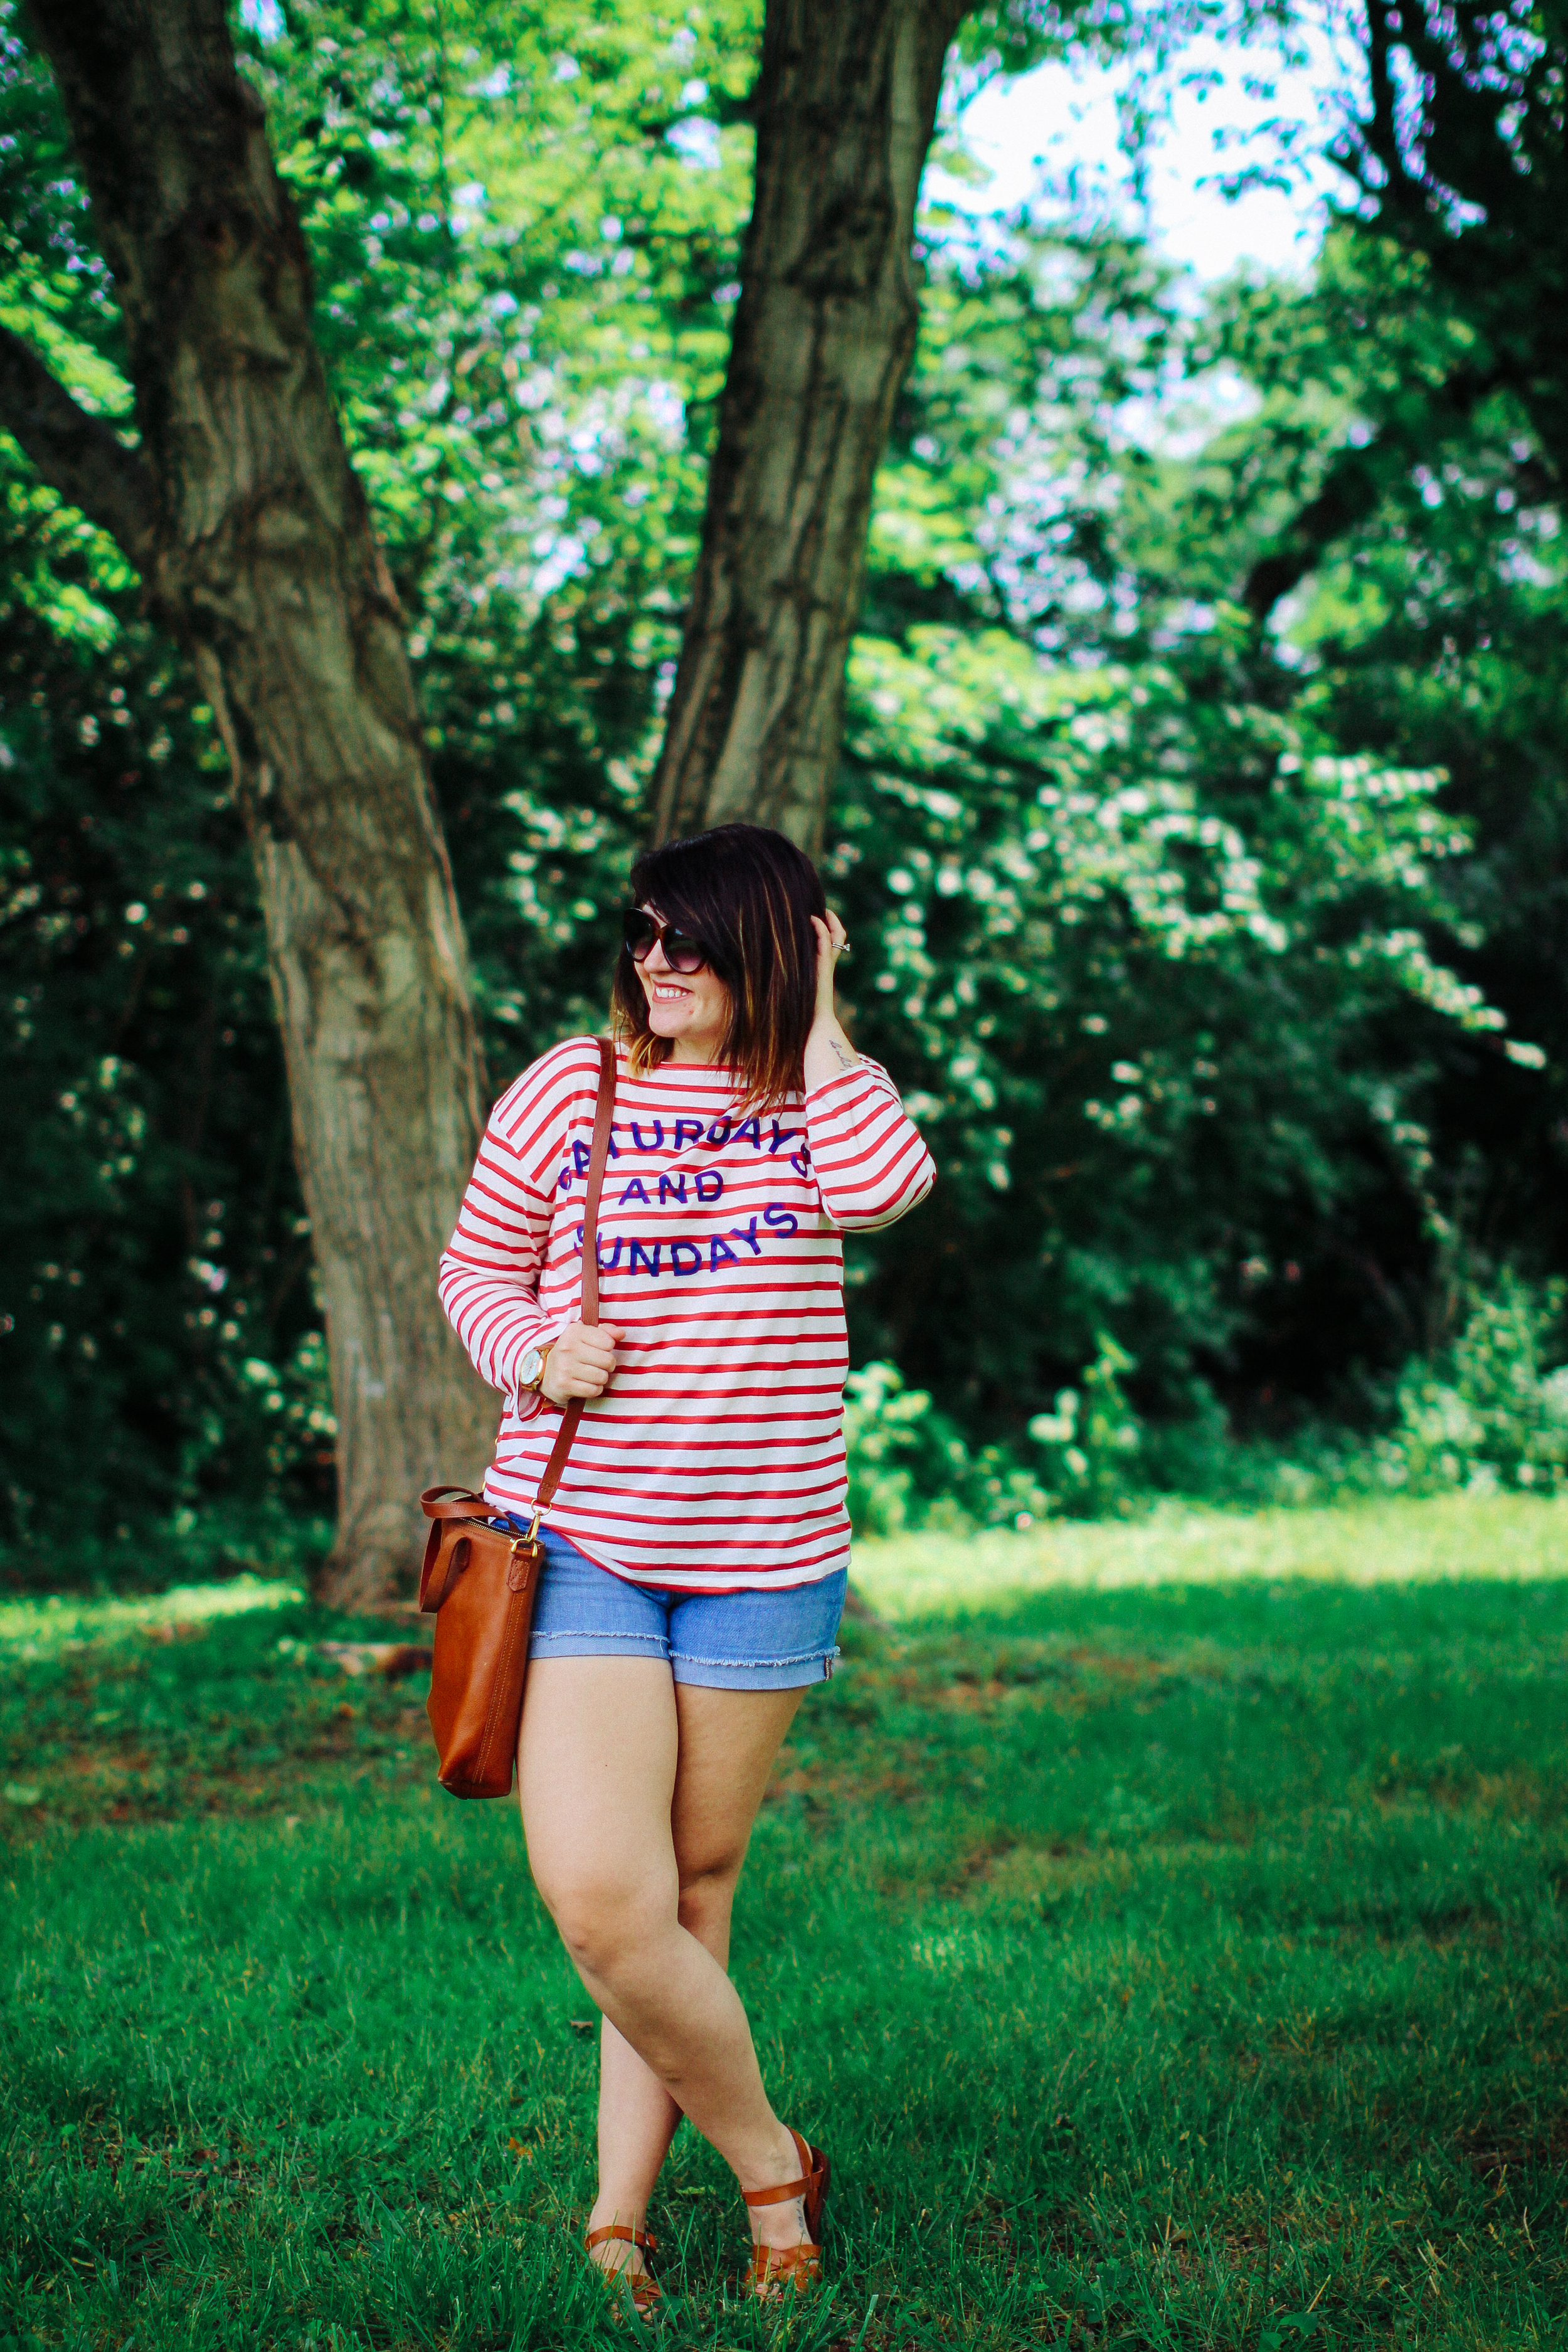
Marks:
<point>866,1156</point>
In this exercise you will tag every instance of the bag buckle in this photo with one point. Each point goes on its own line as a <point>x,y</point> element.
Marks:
<point>524,1548</point>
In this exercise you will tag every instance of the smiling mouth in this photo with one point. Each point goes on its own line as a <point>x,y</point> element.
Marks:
<point>665,994</point>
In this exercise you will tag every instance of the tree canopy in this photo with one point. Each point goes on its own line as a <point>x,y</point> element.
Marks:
<point>1201,821</point>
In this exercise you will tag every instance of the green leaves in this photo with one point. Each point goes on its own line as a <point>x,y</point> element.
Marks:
<point>520,248</point>
<point>1132,956</point>
<point>1292,2328</point>
<point>1488,1410</point>
<point>1211,932</point>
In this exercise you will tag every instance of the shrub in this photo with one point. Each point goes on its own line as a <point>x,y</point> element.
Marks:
<point>909,1467</point>
<point>1485,1414</point>
<point>1092,1441</point>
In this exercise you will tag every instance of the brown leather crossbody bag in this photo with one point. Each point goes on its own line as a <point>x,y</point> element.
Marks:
<point>480,1581</point>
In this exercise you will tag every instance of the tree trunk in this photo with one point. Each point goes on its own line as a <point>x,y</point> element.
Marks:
<point>256,545</point>
<point>824,334</point>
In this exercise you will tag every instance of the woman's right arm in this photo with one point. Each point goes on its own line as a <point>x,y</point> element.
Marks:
<point>492,1266</point>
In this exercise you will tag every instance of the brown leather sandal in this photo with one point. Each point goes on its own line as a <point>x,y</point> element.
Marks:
<point>773,2268</point>
<point>646,2293</point>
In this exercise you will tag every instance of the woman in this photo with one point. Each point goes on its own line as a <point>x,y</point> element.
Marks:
<point>698,1547</point>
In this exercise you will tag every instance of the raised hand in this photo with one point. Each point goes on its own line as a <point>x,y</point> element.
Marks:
<point>827,1049</point>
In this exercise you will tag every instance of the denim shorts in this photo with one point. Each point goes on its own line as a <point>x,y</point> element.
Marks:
<point>753,1640</point>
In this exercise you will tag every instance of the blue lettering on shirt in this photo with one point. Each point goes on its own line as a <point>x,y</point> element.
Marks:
<point>686,1256</point>
<point>607,1264</point>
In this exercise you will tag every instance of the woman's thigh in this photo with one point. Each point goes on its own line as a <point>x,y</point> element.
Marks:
<point>632,1787</point>
<point>729,1739</point>
<point>597,1770</point>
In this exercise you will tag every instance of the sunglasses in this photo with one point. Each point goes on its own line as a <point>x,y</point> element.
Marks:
<point>681,952</point>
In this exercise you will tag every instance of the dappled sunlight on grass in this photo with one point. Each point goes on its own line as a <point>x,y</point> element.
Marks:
<point>1356,1543</point>
<point>1167,1959</point>
<point>42,1628</point>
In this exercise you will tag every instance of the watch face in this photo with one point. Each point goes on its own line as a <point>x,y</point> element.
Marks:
<point>531,1366</point>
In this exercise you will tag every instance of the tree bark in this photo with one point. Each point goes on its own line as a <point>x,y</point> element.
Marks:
<point>824,334</point>
<point>253,537</point>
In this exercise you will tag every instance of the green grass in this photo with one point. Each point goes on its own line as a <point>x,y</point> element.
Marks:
<point>1162,1927</point>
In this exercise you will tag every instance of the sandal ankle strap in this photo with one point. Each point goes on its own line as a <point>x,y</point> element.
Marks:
<point>810,2175</point>
<point>777,2195</point>
<point>643,2240</point>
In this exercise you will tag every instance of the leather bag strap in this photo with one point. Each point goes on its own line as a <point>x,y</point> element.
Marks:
<point>604,1114</point>
<point>452,1502</point>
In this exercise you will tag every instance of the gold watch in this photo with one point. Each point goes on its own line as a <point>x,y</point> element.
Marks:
<point>531,1371</point>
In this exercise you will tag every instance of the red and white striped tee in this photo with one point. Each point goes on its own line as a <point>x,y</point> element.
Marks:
<point>715,1459</point>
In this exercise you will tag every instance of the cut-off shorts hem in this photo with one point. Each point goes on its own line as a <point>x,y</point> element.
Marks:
<point>709,1673</point>
<point>755,1639</point>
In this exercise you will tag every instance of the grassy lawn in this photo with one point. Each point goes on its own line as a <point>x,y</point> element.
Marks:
<point>1162,1927</point>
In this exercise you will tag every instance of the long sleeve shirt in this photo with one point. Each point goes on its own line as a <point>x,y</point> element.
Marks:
<point>714,1461</point>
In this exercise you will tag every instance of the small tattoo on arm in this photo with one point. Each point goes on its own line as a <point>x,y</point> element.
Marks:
<point>845,1059</point>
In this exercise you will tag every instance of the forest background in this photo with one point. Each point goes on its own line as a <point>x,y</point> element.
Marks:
<point>1200,826</point>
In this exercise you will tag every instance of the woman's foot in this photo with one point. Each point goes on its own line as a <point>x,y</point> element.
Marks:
<point>778,2220</point>
<point>786,2223</point>
<point>620,2250</point>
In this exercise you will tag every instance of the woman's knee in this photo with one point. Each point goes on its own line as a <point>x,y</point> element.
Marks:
<point>602,1920</point>
<point>706,1898</point>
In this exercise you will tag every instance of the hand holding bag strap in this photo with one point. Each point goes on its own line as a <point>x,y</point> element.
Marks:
<point>604,1114</point>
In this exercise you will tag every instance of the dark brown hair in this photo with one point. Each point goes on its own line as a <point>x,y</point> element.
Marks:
<point>749,895</point>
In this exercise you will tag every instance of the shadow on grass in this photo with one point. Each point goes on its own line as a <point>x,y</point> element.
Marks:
<point>1163,1967</point>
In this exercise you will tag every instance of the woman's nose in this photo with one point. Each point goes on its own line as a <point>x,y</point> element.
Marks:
<point>655,958</point>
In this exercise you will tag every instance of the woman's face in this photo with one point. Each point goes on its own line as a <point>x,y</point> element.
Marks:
<point>691,1009</point>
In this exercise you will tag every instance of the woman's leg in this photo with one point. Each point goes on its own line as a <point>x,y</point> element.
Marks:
<point>638,1801</point>
<point>720,1778</point>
